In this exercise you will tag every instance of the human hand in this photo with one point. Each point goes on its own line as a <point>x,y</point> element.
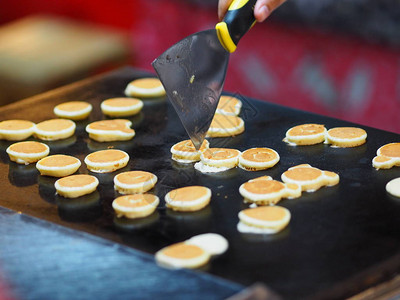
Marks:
<point>262,9</point>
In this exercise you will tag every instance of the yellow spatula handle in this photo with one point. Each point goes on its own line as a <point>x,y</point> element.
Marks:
<point>237,21</point>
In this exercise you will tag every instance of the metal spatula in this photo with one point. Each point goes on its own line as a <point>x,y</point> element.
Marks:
<point>193,70</point>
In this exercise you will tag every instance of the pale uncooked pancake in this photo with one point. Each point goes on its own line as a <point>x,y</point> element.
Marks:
<point>213,243</point>
<point>105,161</point>
<point>55,129</point>
<point>135,206</point>
<point>309,178</point>
<point>229,105</point>
<point>306,134</point>
<point>218,159</point>
<point>58,165</point>
<point>225,126</point>
<point>73,110</point>
<point>145,88</point>
<point>190,198</point>
<point>75,186</point>
<point>393,187</point>
<point>256,159</point>
<point>133,182</point>
<point>185,152</point>
<point>346,137</point>
<point>266,219</point>
<point>121,107</point>
<point>387,156</point>
<point>110,130</point>
<point>182,255</point>
<point>16,130</point>
<point>266,191</point>
<point>27,152</point>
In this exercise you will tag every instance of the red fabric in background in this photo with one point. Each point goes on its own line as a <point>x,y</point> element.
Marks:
<point>326,73</point>
<point>121,14</point>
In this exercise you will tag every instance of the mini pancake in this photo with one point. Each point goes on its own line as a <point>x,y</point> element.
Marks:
<point>73,110</point>
<point>74,186</point>
<point>105,161</point>
<point>229,105</point>
<point>55,129</point>
<point>133,182</point>
<point>121,107</point>
<point>58,165</point>
<point>256,159</point>
<point>185,152</point>
<point>305,134</point>
<point>309,178</point>
<point>16,130</point>
<point>393,187</point>
<point>135,206</point>
<point>217,160</point>
<point>182,255</point>
<point>346,137</point>
<point>266,191</point>
<point>225,126</point>
<point>264,220</point>
<point>145,88</point>
<point>27,152</point>
<point>213,243</point>
<point>189,198</point>
<point>387,156</point>
<point>110,130</point>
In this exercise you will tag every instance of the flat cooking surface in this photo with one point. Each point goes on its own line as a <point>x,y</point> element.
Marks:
<point>341,239</point>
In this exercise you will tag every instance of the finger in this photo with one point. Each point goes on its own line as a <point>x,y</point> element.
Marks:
<point>264,8</point>
<point>223,6</point>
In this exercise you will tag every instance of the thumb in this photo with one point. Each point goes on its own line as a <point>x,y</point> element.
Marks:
<point>264,8</point>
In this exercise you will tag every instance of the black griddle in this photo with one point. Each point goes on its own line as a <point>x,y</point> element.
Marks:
<point>340,241</point>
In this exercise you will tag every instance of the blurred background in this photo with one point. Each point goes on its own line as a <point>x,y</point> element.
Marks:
<point>339,58</point>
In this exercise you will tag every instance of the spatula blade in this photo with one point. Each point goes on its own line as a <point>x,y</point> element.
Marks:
<point>193,74</point>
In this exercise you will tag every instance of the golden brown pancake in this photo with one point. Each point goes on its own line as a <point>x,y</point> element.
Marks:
<point>309,178</point>
<point>105,161</point>
<point>190,198</point>
<point>346,137</point>
<point>16,130</point>
<point>225,126</point>
<point>76,185</point>
<point>135,206</point>
<point>110,130</point>
<point>256,159</point>
<point>144,88</point>
<point>306,134</point>
<point>217,160</point>
<point>229,105</point>
<point>55,129</point>
<point>272,213</point>
<point>58,165</point>
<point>185,152</point>
<point>265,191</point>
<point>182,255</point>
<point>73,110</point>
<point>387,156</point>
<point>266,219</point>
<point>220,157</point>
<point>133,182</point>
<point>27,152</point>
<point>121,107</point>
